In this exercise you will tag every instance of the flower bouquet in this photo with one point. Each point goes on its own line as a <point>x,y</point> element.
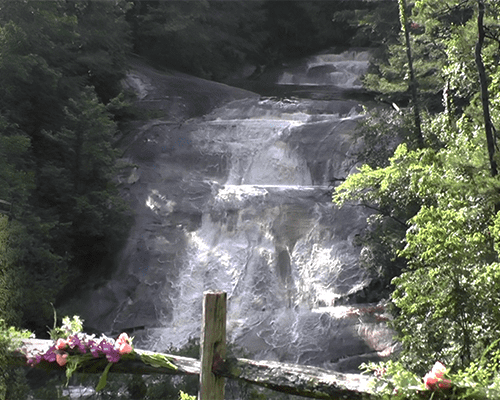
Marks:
<point>72,348</point>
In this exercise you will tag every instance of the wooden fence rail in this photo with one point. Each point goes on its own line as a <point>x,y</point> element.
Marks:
<point>214,366</point>
<point>294,379</point>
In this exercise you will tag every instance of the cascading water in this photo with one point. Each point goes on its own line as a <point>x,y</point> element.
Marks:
<point>237,200</point>
<point>341,70</point>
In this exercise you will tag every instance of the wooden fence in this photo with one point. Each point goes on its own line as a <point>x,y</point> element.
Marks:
<point>214,366</point>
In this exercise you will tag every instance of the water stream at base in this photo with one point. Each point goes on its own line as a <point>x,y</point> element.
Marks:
<point>237,200</point>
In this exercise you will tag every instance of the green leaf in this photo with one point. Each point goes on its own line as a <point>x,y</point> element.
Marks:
<point>71,366</point>
<point>158,361</point>
<point>104,378</point>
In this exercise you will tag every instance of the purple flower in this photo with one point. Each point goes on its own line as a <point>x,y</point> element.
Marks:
<point>113,356</point>
<point>34,361</point>
<point>108,348</point>
<point>105,346</point>
<point>50,355</point>
<point>74,341</point>
<point>93,347</point>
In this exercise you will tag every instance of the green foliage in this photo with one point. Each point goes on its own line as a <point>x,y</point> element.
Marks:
<point>69,327</point>
<point>103,379</point>
<point>380,132</point>
<point>447,296</point>
<point>168,388</point>
<point>12,380</point>
<point>376,26</point>
<point>9,275</point>
<point>391,190</point>
<point>388,192</point>
<point>16,179</point>
<point>59,63</point>
<point>442,198</point>
<point>485,371</point>
<point>157,361</point>
<point>388,75</point>
<point>187,29</point>
<point>479,381</point>
<point>214,39</point>
<point>185,396</point>
<point>10,337</point>
<point>393,381</point>
<point>103,41</point>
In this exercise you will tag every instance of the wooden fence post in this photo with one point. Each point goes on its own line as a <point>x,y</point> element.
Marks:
<point>213,345</point>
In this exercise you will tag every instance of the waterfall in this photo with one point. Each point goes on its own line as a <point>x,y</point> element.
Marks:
<point>237,200</point>
<point>342,70</point>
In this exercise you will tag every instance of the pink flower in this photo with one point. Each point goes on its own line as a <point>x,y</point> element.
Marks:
<point>123,338</point>
<point>62,358</point>
<point>125,348</point>
<point>61,344</point>
<point>123,343</point>
<point>434,378</point>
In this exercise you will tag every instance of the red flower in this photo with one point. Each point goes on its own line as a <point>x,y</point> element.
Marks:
<point>434,378</point>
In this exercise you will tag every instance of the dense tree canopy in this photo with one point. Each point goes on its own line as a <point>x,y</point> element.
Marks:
<point>444,194</point>
<point>213,39</point>
<point>58,68</point>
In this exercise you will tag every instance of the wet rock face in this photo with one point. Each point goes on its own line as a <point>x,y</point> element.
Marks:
<point>176,96</point>
<point>230,192</point>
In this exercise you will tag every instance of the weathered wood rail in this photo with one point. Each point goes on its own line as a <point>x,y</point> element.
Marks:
<point>214,366</point>
<point>294,379</point>
<point>300,380</point>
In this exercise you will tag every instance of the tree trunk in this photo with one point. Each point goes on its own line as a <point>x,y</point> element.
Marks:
<point>483,82</point>
<point>403,15</point>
